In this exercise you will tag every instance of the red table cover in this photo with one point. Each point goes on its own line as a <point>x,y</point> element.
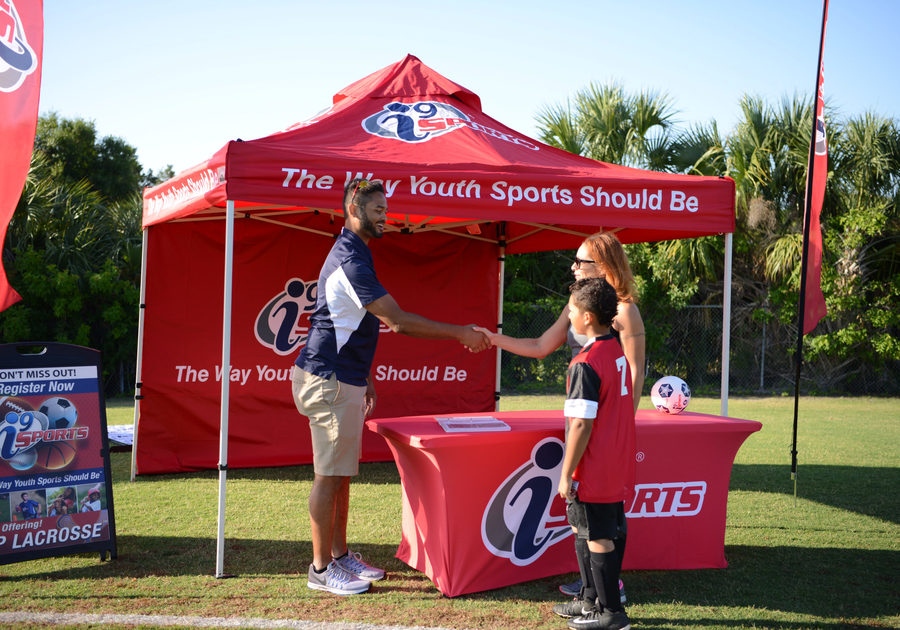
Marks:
<point>480,509</point>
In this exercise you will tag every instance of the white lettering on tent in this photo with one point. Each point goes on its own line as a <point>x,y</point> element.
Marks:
<point>425,373</point>
<point>182,192</point>
<point>305,179</point>
<point>189,374</point>
<point>235,375</point>
<point>462,189</point>
<point>390,185</point>
<point>633,200</point>
<point>240,376</point>
<point>680,201</point>
<point>357,176</point>
<point>513,194</point>
<point>265,373</point>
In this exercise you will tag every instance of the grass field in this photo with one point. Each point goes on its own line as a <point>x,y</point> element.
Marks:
<point>827,559</point>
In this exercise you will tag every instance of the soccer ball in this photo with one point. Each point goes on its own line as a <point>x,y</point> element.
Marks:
<point>670,394</point>
<point>60,412</point>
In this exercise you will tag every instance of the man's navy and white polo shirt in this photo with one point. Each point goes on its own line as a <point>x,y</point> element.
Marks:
<point>342,333</point>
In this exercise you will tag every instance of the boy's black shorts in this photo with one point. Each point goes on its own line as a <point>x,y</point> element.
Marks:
<point>594,521</point>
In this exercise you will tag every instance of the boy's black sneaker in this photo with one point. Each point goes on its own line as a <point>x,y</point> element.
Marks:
<point>574,608</point>
<point>596,620</point>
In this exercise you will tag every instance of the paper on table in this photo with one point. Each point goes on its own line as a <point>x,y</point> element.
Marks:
<point>464,424</point>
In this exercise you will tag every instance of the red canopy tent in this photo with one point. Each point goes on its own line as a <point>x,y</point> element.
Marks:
<point>463,189</point>
<point>445,163</point>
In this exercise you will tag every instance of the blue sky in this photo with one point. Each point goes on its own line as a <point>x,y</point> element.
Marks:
<point>178,79</point>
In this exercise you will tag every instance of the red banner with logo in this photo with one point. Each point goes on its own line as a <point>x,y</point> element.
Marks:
<point>21,45</point>
<point>814,301</point>
<point>276,268</point>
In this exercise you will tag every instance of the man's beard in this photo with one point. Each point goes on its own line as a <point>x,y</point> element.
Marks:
<point>368,226</point>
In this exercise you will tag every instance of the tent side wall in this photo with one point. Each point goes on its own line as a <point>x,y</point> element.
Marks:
<point>275,275</point>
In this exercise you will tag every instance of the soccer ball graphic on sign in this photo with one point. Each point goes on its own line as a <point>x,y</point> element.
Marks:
<point>60,412</point>
<point>670,394</point>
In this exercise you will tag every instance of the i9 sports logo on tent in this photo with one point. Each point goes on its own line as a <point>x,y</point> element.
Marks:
<point>17,59</point>
<point>414,122</point>
<point>279,323</point>
<point>517,522</point>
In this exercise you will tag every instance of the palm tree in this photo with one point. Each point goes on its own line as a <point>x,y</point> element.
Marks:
<point>865,193</point>
<point>605,123</point>
<point>700,151</point>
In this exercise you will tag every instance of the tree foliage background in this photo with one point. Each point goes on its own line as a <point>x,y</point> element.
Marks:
<point>73,248</point>
<point>855,348</point>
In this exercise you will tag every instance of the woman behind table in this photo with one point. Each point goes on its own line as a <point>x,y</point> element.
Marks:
<point>601,255</point>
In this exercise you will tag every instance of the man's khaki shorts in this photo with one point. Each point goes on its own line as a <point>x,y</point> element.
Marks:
<point>335,411</point>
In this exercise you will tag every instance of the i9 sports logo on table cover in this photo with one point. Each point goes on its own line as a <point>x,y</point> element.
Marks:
<point>517,522</point>
<point>414,122</point>
<point>680,498</point>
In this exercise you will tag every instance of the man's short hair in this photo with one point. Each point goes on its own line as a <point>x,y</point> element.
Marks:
<point>359,190</point>
<point>596,296</point>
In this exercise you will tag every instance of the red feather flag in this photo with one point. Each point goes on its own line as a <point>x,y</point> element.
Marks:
<point>21,46</point>
<point>813,301</point>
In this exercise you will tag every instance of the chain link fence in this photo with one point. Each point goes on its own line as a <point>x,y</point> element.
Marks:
<point>688,343</point>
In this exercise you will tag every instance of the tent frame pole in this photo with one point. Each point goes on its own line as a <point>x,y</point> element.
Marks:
<point>138,385</point>
<point>726,323</point>
<point>226,374</point>
<point>501,258</point>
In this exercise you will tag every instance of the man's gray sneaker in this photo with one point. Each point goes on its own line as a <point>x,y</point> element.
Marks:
<point>352,562</point>
<point>336,580</point>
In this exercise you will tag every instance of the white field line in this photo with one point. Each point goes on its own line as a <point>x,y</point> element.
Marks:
<point>51,618</point>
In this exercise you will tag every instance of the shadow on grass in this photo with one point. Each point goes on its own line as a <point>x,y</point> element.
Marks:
<point>823,582</point>
<point>799,580</point>
<point>848,583</point>
<point>369,472</point>
<point>172,556</point>
<point>868,491</point>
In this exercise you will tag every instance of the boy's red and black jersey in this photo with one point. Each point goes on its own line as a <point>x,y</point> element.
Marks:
<point>599,388</point>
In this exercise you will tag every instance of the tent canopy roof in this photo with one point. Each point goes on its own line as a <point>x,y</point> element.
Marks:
<point>446,166</point>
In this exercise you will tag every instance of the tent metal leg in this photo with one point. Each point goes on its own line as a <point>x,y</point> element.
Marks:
<point>726,323</point>
<point>226,371</point>
<point>502,268</point>
<point>138,385</point>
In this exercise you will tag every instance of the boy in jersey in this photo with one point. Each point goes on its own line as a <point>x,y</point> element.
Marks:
<point>598,467</point>
<point>28,508</point>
